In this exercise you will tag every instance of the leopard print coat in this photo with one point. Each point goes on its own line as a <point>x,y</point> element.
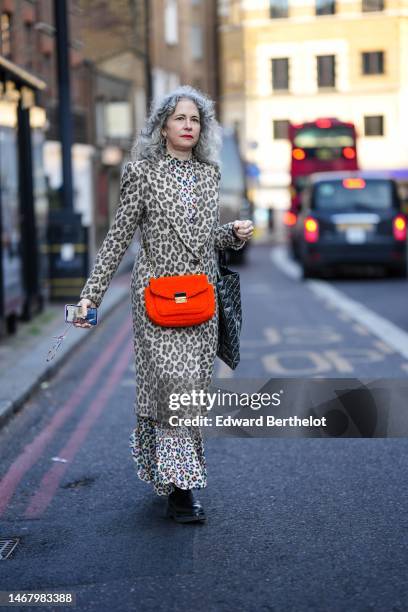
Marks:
<point>149,199</point>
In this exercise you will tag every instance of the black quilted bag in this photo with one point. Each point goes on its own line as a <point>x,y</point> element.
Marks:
<point>229,312</point>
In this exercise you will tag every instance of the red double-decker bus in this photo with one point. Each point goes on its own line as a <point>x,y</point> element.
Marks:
<point>318,146</point>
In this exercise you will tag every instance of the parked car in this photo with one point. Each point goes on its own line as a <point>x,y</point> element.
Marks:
<point>234,203</point>
<point>351,218</point>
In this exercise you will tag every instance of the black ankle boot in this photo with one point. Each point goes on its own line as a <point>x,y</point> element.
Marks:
<point>183,508</point>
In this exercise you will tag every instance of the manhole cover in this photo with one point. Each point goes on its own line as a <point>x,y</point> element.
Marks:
<point>7,547</point>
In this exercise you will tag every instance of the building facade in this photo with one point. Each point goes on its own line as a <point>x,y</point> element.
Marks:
<point>141,50</point>
<point>283,61</point>
<point>183,45</point>
<point>23,198</point>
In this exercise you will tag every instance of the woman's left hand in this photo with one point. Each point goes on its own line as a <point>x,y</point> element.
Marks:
<point>243,229</point>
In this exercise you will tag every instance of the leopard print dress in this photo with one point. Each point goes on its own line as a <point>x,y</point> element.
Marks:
<point>175,206</point>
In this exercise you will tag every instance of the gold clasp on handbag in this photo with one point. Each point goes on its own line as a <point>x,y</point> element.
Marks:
<point>180,297</point>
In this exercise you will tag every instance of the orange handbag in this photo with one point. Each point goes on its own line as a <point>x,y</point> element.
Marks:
<point>179,301</point>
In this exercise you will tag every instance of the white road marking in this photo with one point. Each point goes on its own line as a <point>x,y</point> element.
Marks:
<point>279,256</point>
<point>388,332</point>
<point>275,363</point>
<point>360,330</point>
<point>340,360</point>
<point>384,348</point>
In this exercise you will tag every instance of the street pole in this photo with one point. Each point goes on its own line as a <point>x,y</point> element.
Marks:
<point>217,60</point>
<point>147,63</point>
<point>64,99</point>
<point>67,238</point>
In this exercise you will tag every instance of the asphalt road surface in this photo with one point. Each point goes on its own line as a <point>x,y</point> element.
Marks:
<point>293,524</point>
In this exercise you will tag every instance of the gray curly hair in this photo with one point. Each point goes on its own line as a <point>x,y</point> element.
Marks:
<point>149,143</point>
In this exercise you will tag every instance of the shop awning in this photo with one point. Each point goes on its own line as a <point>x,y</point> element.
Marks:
<point>20,75</point>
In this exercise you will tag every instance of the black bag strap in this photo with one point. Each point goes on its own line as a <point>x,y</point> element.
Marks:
<point>222,258</point>
<point>221,261</point>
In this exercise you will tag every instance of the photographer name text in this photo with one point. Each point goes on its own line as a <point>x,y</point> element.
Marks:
<point>260,421</point>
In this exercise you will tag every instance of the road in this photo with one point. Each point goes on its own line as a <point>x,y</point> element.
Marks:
<point>300,524</point>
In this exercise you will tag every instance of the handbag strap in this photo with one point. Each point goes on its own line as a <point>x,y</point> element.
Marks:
<point>221,261</point>
<point>222,258</point>
<point>149,260</point>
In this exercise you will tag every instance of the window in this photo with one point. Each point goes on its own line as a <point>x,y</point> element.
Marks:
<point>374,125</point>
<point>280,129</point>
<point>278,9</point>
<point>6,35</point>
<point>373,62</point>
<point>326,76</point>
<point>280,73</point>
<point>171,22</point>
<point>372,5</point>
<point>223,8</point>
<point>196,42</point>
<point>325,7</point>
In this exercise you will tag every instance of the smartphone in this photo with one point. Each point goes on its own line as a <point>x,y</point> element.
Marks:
<point>72,312</point>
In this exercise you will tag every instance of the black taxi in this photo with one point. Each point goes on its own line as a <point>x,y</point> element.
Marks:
<point>349,218</point>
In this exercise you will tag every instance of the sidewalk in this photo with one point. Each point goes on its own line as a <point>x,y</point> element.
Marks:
<point>23,364</point>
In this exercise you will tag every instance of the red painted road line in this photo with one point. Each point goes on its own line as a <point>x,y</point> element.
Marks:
<point>51,480</point>
<point>33,451</point>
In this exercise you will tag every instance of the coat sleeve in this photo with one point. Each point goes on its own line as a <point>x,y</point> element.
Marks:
<point>119,236</point>
<point>224,236</point>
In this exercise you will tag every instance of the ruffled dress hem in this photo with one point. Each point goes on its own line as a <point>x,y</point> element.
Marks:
<point>168,456</point>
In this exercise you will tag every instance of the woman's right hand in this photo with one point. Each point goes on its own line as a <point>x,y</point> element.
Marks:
<point>84,304</point>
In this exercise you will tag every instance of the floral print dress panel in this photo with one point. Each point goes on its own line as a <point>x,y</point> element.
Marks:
<point>168,456</point>
<point>183,171</point>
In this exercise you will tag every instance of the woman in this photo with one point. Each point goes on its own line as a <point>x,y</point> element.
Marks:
<point>170,191</point>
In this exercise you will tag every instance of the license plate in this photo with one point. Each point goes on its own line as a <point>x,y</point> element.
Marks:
<point>355,235</point>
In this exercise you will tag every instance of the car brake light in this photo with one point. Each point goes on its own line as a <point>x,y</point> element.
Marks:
<point>311,230</point>
<point>349,153</point>
<point>399,228</point>
<point>289,218</point>
<point>298,154</point>
<point>354,183</point>
<point>323,123</point>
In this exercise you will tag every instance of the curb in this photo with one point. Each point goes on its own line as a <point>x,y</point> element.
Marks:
<point>34,367</point>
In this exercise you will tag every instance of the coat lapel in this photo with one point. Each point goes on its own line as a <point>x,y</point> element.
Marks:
<point>166,192</point>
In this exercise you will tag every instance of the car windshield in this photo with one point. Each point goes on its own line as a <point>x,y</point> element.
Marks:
<point>355,193</point>
<point>312,136</point>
